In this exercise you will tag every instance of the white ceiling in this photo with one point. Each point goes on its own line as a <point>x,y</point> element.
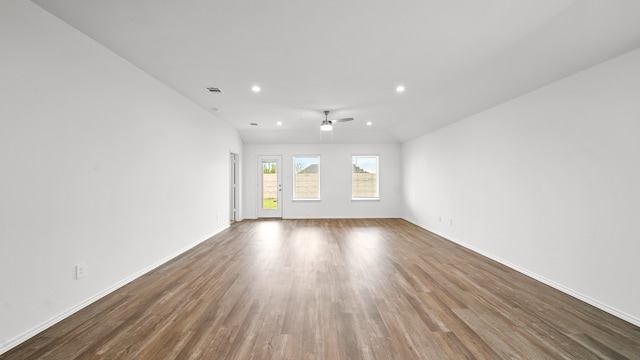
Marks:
<point>455,57</point>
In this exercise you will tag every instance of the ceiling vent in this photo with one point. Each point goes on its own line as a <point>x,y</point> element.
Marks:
<point>214,90</point>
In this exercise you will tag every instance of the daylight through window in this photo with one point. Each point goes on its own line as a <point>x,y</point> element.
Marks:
<point>306,177</point>
<point>364,177</point>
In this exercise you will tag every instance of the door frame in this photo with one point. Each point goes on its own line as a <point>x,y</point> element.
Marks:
<point>234,186</point>
<point>270,213</point>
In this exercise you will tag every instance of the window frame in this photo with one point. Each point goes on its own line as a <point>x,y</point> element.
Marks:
<point>293,192</point>
<point>372,198</point>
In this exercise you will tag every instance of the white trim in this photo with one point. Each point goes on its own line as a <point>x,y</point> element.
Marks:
<point>72,310</point>
<point>604,307</point>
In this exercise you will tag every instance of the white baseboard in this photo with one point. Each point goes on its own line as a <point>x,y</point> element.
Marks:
<point>604,307</point>
<point>54,320</point>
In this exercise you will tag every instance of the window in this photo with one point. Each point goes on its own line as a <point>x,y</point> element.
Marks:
<point>364,177</point>
<point>306,177</point>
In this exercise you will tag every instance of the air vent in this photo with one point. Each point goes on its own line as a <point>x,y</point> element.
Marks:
<point>253,124</point>
<point>214,90</point>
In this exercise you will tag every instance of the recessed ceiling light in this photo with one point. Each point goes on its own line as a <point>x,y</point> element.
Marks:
<point>255,88</point>
<point>400,88</point>
<point>279,123</point>
<point>369,123</point>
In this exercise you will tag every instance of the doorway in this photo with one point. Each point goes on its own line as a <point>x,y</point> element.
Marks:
<point>234,190</point>
<point>269,186</point>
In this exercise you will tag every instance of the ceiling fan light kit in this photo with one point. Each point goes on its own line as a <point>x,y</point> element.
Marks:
<point>327,125</point>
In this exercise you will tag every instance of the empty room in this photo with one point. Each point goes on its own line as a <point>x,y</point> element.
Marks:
<point>319,179</point>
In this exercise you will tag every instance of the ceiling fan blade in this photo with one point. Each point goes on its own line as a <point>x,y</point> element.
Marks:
<point>341,120</point>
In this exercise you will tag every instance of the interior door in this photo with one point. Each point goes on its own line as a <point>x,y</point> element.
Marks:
<point>269,186</point>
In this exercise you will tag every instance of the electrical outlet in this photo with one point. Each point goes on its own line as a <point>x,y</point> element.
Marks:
<point>81,270</point>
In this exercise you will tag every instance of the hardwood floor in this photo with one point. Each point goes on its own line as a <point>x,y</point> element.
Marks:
<point>334,289</point>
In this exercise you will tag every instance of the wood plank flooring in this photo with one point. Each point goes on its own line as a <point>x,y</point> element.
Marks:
<point>334,289</point>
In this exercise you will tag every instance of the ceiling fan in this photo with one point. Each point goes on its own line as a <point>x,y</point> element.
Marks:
<point>327,125</point>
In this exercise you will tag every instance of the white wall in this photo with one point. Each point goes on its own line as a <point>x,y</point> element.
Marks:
<point>548,183</point>
<point>100,163</point>
<point>335,181</point>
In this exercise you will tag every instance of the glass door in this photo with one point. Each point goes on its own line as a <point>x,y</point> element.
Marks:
<point>269,186</point>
